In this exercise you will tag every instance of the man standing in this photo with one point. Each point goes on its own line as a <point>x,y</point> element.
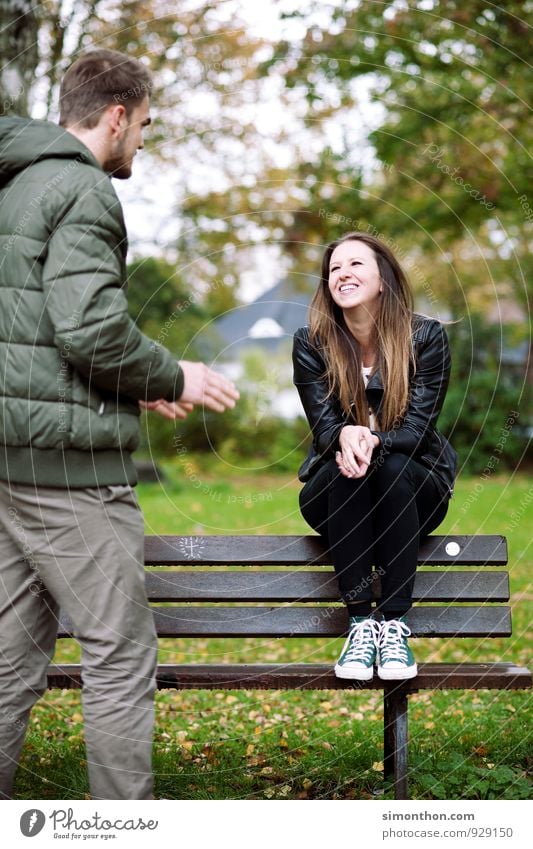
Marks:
<point>74,369</point>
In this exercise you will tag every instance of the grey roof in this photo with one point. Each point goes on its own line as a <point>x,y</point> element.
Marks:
<point>282,304</point>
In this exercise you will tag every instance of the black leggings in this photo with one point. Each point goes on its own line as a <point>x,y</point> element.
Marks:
<point>377,519</point>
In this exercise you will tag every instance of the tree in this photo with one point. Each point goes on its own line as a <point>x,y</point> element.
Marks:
<point>206,94</point>
<point>453,148</point>
<point>481,414</point>
<point>18,54</point>
<point>169,310</point>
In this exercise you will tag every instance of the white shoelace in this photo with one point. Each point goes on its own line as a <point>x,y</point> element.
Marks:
<point>391,643</point>
<point>362,640</point>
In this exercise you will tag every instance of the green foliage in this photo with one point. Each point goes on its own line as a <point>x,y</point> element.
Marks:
<point>19,52</point>
<point>455,776</point>
<point>238,436</point>
<point>289,745</point>
<point>155,290</point>
<point>452,146</point>
<point>450,82</point>
<point>484,408</point>
<point>171,310</point>
<point>250,436</point>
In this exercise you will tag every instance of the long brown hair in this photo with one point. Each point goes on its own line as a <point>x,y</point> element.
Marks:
<point>392,340</point>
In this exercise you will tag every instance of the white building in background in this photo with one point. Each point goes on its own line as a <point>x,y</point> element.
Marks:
<point>267,326</point>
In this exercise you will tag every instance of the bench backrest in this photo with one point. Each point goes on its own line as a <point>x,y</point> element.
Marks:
<point>239,596</point>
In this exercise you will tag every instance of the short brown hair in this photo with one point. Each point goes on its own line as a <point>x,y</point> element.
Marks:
<point>98,79</point>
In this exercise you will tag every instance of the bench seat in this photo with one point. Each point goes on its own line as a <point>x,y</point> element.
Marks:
<point>273,587</point>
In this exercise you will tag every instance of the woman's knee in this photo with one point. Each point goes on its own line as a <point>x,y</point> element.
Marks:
<point>395,470</point>
<point>313,499</point>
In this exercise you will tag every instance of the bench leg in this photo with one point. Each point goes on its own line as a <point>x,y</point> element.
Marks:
<point>395,739</point>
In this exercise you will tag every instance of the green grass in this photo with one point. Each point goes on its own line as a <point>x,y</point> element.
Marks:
<point>309,745</point>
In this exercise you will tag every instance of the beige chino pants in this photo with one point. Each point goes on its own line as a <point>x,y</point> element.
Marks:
<point>80,550</point>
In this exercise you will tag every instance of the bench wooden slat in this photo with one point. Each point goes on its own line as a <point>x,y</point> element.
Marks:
<point>218,621</point>
<point>483,550</point>
<point>315,676</point>
<point>314,586</point>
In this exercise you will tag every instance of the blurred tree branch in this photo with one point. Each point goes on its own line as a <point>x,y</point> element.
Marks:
<point>18,54</point>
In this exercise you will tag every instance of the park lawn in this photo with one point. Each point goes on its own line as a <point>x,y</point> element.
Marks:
<point>309,745</point>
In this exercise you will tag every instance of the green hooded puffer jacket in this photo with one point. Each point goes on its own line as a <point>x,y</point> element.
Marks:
<point>73,365</point>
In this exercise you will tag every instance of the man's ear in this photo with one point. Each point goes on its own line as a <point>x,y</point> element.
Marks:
<point>116,118</point>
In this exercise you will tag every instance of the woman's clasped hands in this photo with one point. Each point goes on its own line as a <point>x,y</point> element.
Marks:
<point>356,446</point>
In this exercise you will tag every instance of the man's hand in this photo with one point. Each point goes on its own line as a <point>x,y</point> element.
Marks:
<point>357,444</point>
<point>206,387</point>
<point>171,410</point>
<point>202,386</point>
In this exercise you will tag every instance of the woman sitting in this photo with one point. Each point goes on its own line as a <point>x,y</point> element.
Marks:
<point>372,376</point>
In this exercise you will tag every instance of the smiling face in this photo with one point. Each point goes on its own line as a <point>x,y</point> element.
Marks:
<point>354,281</point>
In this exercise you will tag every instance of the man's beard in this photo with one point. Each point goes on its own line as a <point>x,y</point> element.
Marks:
<point>116,165</point>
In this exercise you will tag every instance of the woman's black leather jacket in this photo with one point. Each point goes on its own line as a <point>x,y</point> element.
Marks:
<point>417,436</point>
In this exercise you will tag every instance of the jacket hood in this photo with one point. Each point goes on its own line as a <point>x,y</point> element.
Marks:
<point>24,142</point>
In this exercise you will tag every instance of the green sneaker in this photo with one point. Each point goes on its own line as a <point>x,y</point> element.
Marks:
<point>358,655</point>
<point>395,658</point>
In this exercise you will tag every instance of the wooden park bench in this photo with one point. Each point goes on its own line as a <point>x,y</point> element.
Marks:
<point>302,600</point>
